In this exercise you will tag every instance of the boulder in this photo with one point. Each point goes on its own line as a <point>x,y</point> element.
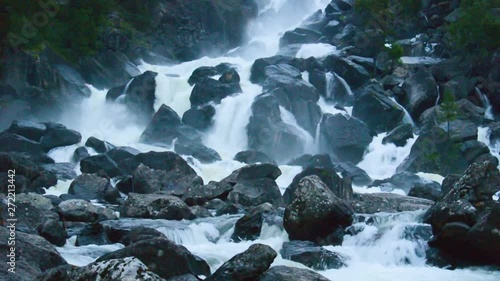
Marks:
<point>162,129</point>
<point>399,135</point>
<point>484,237</point>
<point>255,192</point>
<point>98,145</point>
<point>201,73</point>
<point>210,90</point>
<point>248,265</point>
<point>449,182</point>
<point>80,154</point>
<point>388,202</point>
<point>140,233</point>
<point>200,194</point>
<point>378,111</point>
<point>347,138</point>
<point>331,86</point>
<point>299,36</point>
<point>199,151</point>
<point>282,69</point>
<point>313,161</point>
<point>403,180</point>
<point>34,255</point>
<point>28,129</point>
<point>426,191</point>
<point>201,212</point>
<point>257,72</point>
<point>63,171</point>
<point>252,157</point>
<point>122,153</point>
<point>199,117</point>
<point>311,255</point>
<point>252,172</point>
<point>354,74</point>
<point>184,277</point>
<point>165,161</point>
<point>354,174</point>
<point>15,143</point>
<point>58,135</point>
<point>285,273</point>
<point>315,211</point>
<point>33,211</point>
<point>230,76</point>
<point>84,211</point>
<point>162,257</point>
<point>91,187</point>
<point>472,149</point>
<point>92,234</point>
<point>155,206</point>
<point>53,232</point>
<point>100,163</point>
<point>249,226</point>
<point>420,92</point>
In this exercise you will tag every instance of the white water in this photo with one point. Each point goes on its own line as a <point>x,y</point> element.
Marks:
<point>376,253</point>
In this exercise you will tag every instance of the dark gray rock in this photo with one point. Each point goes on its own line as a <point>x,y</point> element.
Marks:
<point>311,255</point>
<point>354,74</point>
<point>354,174</point>
<point>83,211</point>
<point>313,161</point>
<point>420,92</point>
<point>200,194</point>
<point>426,191</point>
<point>198,151</point>
<point>162,129</point>
<point>122,153</point>
<point>399,135</point>
<point>255,192</point>
<point>210,90</point>
<point>155,206</point>
<point>285,273</point>
<point>98,145</point>
<point>92,234</point>
<point>58,135</point>
<point>28,129</point>
<point>91,187</point>
<point>15,143</point>
<point>258,67</point>
<point>299,36</point>
<point>199,117</point>
<point>388,202</point>
<point>63,171</point>
<point>252,157</point>
<point>80,154</point>
<point>249,226</point>
<point>53,232</point>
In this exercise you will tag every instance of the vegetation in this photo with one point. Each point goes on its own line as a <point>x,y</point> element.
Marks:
<point>449,110</point>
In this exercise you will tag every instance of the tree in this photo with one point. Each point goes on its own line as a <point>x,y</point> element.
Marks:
<point>449,110</point>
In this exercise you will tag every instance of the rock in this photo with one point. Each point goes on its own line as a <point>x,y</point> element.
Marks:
<point>210,90</point>
<point>92,234</point>
<point>249,226</point>
<point>80,154</point>
<point>248,265</point>
<point>354,174</point>
<point>227,209</point>
<point>331,86</point>
<point>285,273</point>
<point>346,138</point>
<point>449,182</point>
<point>471,150</point>
<point>184,277</point>
<point>91,186</point>
<point>83,211</point>
<point>58,135</point>
<point>460,87</point>
<point>299,35</point>
<point>403,180</point>
<point>420,92</point>
<point>255,192</point>
<point>15,143</point>
<point>388,202</point>
<point>201,73</point>
<point>199,117</point>
<point>37,256</point>
<point>155,206</point>
<point>166,161</point>
<point>32,212</point>
<point>63,171</point>
<point>163,128</point>
<point>201,212</point>
<point>122,153</point>
<point>28,129</point>
<point>230,76</point>
<point>313,161</point>
<point>253,157</point>
<point>140,233</point>
<point>53,232</point>
<point>252,172</point>
<point>426,191</point>
<point>138,95</point>
<point>97,163</point>
<point>199,195</point>
<point>335,184</point>
<point>205,154</point>
<point>315,211</point>
<point>354,74</point>
<point>98,145</point>
<point>311,255</point>
<point>268,133</point>
<point>379,112</point>
<point>162,257</point>
<point>282,69</point>
<point>484,237</point>
<point>257,72</point>
<point>399,135</point>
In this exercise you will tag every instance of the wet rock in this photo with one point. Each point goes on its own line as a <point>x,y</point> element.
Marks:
<point>199,195</point>
<point>420,92</point>
<point>201,212</point>
<point>254,171</point>
<point>199,117</point>
<point>32,212</point>
<point>83,211</point>
<point>471,150</point>
<point>379,112</point>
<point>100,163</point>
<point>184,277</point>
<point>37,256</point>
<point>252,157</point>
<point>28,129</point>
<point>484,236</point>
<point>354,74</point>
<point>311,255</point>
<point>399,135</point>
<point>315,211</point>
<point>98,145</point>
<point>230,76</point>
<point>426,191</point>
<point>80,154</point>
<point>58,135</point>
<point>15,143</point>
<point>285,273</point>
<point>249,226</point>
<point>92,234</point>
<point>354,174</point>
<point>53,232</point>
<point>313,161</point>
<point>140,233</point>
<point>63,171</point>
<point>449,182</point>
<point>210,90</point>
<point>162,257</point>
<point>282,69</point>
<point>163,127</point>
<point>201,73</point>
<point>155,206</point>
<point>388,202</point>
<point>199,151</point>
<point>227,209</point>
<point>346,138</point>
<point>299,35</point>
<point>256,192</point>
<point>122,153</point>
<point>248,265</point>
<point>331,86</point>
<point>257,71</point>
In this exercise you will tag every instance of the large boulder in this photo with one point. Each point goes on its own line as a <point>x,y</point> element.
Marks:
<point>199,151</point>
<point>313,161</point>
<point>163,127</point>
<point>426,191</point>
<point>285,273</point>
<point>199,117</point>
<point>315,212</point>
<point>33,211</point>
<point>311,255</point>
<point>254,171</point>
<point>258,74</point>
<point>100,163</point>
<point>200,194</point>
<point>346,138</point>
<point>98,145</point>
<point>354,74</point>
<point>33,256</point>
<point>91,186</point>
<point>248,265</point>
<point>378,111</point>
<point>63,171</point>
<point>331,86</point>
<point>155,206</point>
<point>84,211</point>
<point>138,94</point>
<point>53,232</point>
<point>162,257</point>
<point>421,92</point>
<point>28,129</point>
<point>15,143</point>
<point>210,90</point>
<point>255,192</point>
<point>252,157</point>
<point>122,153</point>
<point>399,135</point>
<point>388,203</point>
<point>299,36</point>
<point>249,226</point>
<point>58,135</point>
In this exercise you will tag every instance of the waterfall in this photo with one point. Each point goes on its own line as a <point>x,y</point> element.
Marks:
<point>407,117</point>
<point>487,105</point>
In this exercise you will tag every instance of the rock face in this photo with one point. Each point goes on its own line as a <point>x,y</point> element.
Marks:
<point>162,257</point>
<point>388,202</point>
<point>155,206</point>
<point>311,255</point>
<point>250,225</point>
<point>420,92</point>
<point>380,113</point>
<point>346,138</point>
<point>464,221</point>
<point>285,273</point>
<point>315,212</point>
<point>37,256</point>
<point>246,266</point>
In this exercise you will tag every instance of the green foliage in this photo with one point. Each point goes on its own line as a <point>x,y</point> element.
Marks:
<point>387,13</point>
<point>477,28</point>
<point>449,108</point>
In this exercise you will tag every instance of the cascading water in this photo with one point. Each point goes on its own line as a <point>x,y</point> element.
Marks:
<point>381,250</point>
